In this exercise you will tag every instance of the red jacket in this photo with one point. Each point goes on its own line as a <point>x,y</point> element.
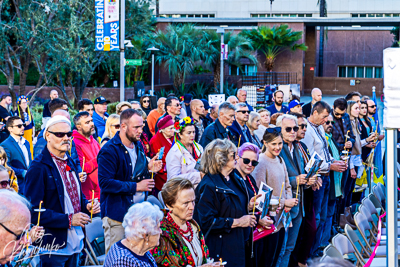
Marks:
<point>89,150</point>
<point>156,143</point>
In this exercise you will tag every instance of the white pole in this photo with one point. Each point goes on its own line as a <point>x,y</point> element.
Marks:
<point>391,201</point>
<point>122,53</point>
<point>152,73</point>
<point>222,66</point>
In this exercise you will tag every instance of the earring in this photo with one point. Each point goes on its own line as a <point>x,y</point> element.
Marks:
<point>171,211</point>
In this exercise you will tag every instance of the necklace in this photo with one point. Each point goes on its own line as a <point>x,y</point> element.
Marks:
<point>189,238</point>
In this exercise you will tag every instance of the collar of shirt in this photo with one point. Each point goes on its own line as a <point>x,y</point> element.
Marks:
<point>20,141</point>
<point>243,128</point>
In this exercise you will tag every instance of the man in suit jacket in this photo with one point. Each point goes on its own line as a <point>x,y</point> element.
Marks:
<point>295,166</point>
<point>239,129</point>
<point>53,179</point>
<point>17,149</point>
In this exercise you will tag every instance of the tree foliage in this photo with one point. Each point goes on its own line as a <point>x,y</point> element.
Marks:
<point>273,41</point>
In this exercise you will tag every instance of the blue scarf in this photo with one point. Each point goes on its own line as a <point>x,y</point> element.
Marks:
<point>337,175</point>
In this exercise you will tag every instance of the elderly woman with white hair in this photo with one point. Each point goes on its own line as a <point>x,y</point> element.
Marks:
<point>142,233</point>
<point>253,123</point>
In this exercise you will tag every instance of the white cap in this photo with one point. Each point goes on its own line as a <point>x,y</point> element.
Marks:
<point>54,120</point>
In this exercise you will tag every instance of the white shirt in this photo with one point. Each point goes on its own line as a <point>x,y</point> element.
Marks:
<point>139,196</point>
<point>21,143</point>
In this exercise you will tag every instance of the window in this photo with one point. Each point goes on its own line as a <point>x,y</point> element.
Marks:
<point>187,16</point>
<point>373,15</point>
<point>281,15</point>
<point>243,70</point>
<point>359,72</point>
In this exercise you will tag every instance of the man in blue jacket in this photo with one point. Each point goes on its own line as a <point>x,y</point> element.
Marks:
<point>239,129</point>
<point>124,175</point>
<point>100,114</point>
<point>17,149</point>
<point>53,179</point>
<point>278,106</point>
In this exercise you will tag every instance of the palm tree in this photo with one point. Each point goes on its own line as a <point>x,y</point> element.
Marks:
<point>239,47</point>
<point>273,41</point>
<point>180,48</point>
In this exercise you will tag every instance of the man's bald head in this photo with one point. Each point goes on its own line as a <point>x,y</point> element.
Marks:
<point>195,103</point>
<point>15,215</point>
<point>161,100</point>
<point>197,107</point>
<point>316,94</point>
<point>61,112</point>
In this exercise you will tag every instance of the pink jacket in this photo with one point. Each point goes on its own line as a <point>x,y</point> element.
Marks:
<point>89,150</point>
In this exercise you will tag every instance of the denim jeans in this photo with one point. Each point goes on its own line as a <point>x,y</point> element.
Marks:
<point>321,198</point>
<point>59,260</point>
<point>290,241</point>
<point>328,224</point>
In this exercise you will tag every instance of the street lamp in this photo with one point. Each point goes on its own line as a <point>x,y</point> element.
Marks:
<point>221,30</point>
<point>270,8</point>
<point>152,50</point>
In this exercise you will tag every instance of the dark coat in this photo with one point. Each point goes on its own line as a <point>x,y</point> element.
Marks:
<point>236,132</point>
<point>338,135</point>
<point>15,156</point>
<point>214,131</point>
<point>216,208</point>
<point>307,109</point>
<point>117,180</point>
<point>41,143</point>
<point>43,182</point>
<point>364,134</point>
<point>46,110</point>
<point>205,122</point>
<point>294,168</point>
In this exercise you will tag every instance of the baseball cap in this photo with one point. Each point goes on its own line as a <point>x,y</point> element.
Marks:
<point>294,103</point>
<point>101,100</point>
<point>187,98</point>
<point>206,104</point>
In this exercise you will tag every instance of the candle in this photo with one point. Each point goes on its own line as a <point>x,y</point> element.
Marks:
<point>298,185</point>
<point>91,212</point>
<point>254,207</point>
<point>27,240</point>
<point>220,261</point>
<point>40,209</point>
<point>152,171</point>
<point>239,141</point>
<point>83,165</point>
<point>280,196</point>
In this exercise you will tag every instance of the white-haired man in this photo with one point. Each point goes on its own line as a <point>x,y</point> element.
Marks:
<point>53,179</point>
<point>15,219</point>
<point>242,97</point>
<point>233,100</point>
<point>316,95</point>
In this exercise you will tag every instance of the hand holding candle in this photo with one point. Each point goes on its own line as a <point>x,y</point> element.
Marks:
<point>83,175</point>
<point>39,210</point>
<point>297,190</point>
<point>280,196</point>
<point>91,211</point>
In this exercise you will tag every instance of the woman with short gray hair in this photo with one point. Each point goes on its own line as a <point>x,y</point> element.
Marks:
<point>222,204</point>
<point>142,233</point>
<point>254,123</point>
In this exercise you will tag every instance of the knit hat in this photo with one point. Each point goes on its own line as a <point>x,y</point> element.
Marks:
<point>55,120</point>
<point>165,122</point>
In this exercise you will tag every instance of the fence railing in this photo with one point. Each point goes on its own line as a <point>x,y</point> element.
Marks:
<point>263,78</point>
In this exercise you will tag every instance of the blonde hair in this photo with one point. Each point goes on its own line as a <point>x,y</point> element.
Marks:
<point>112,119</point>
<point>216,156</point>
<point>121,105</point>
<point>3,154</point>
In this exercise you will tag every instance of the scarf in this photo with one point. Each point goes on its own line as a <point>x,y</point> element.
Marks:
<point>357,144</point>
<point>336,175</point>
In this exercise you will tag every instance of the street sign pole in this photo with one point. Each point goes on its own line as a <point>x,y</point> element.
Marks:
<point>122,54</point>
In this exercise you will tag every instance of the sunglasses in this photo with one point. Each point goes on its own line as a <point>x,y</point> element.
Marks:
<point>274,130</point>
<point>337,114</point>
<point>303,126</point>
<point>19,126</point>
<point>289,129</point>
<point>116,126</point>
<point>177,105</point>
<point>21,235</point>
<point>244,111</point>
<point>374,106</point>
<point>254,163</point>
<point>330,122</point>
<point>61,135</point>
<point>146,101</point>
<point>4,184</point>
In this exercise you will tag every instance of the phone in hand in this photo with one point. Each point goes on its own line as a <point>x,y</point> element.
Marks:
<point>161,153</point>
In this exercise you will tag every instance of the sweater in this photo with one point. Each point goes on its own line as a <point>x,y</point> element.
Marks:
<point>273,172</point>
<point>152,120</point>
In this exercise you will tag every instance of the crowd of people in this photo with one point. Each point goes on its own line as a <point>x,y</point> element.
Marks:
<point>176,184</point>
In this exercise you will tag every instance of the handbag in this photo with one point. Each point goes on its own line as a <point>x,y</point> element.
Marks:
<point>261,232</point>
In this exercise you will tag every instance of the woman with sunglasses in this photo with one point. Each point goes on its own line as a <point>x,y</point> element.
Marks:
<point>185,153</point>
<point>145,104</point>
<point>12,179</point>
<point>112,127</point>
<point>26,116</point>
<point>272,171</point>
<point>222,205</point>
<point>263,249</point>
<point>253,123</point>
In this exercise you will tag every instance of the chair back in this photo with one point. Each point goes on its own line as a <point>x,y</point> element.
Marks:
<point>353,239</point>
<point>377,193</point>
<point>161,199</point>
<point>382,189</point>
<point>365,211</point>
<point>370,206</point>
<point>376,202</point>
<point>342,245</point>
<point>153,200</point>
<point>363,226</point>
<point>94,229</point>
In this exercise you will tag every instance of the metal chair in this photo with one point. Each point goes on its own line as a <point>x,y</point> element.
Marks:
<point>332,252</point>
<point>94,230</point>
<point>153,200</point>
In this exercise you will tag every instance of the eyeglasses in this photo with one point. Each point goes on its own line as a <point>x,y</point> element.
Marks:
<point>61,135</point>
<point>330,122</point>
<point>303,126</point>
<point>289,129</point>
<point>19,126</point>
<point>374,106</point>
<point>274,130</point>
<point>244,111</point>
<point>116,126</point>
<point>254,163</point>
<point>4,184</point>
<point>18,237</point>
